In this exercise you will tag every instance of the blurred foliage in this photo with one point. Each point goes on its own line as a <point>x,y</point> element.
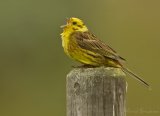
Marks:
<point>33,65</point>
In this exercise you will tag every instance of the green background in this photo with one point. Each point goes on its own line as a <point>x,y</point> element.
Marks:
<point>33,65</point>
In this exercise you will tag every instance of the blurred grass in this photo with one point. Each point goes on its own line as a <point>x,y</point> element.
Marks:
<point>33,66</point>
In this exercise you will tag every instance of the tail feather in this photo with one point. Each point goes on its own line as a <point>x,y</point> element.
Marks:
<point>135,76</point>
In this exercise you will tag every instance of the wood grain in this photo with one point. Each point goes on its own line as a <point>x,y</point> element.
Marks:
<point>96,92</point>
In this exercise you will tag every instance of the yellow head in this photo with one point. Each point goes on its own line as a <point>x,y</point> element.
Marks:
<point>74,24</point>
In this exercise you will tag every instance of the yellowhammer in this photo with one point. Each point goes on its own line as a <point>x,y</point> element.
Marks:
<point>83,46</point>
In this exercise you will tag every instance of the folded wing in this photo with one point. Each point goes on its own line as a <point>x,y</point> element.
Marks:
<point>89,42</point>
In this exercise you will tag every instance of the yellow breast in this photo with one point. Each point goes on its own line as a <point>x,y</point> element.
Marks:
<point>65,41</point>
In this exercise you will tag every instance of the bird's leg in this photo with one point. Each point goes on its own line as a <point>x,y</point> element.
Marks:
<point>84,66</point>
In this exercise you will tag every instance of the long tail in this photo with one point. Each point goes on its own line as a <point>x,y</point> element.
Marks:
<point>135,76</point>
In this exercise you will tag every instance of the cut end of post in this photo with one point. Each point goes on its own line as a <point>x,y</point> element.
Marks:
<point>107,71</point>
<point>96,91</point>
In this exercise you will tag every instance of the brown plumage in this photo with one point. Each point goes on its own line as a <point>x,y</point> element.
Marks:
<point>86,48</point>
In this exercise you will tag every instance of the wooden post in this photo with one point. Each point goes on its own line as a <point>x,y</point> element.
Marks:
<point>96,92</point>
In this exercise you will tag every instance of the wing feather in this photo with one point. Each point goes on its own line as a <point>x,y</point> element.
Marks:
<point>89,42</point>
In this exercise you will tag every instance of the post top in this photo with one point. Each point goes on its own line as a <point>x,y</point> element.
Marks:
<point>103,71</point>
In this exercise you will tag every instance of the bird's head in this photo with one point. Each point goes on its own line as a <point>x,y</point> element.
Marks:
<point>74,24</point>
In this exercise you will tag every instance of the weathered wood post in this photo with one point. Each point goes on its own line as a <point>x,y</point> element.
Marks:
<point>96,92</point>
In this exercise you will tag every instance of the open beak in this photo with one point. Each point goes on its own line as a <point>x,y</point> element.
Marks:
<point>63,26</point>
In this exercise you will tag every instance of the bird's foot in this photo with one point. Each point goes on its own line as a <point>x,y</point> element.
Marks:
<point>84,66</point>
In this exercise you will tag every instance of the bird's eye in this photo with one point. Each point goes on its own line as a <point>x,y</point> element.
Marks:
<point>74,23</point>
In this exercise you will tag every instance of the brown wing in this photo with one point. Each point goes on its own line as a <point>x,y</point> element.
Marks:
<point>89,42</point>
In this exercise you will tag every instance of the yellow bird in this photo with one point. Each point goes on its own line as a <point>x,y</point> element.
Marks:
<point>83,46</point>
